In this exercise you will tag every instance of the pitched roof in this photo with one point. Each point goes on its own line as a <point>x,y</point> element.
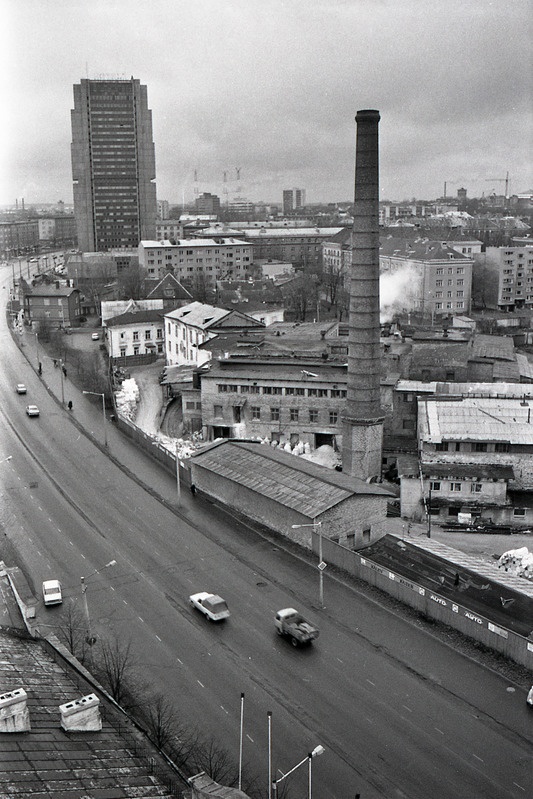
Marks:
<point>417,249</point>
<point>136,318</point>
<point>476,419</point>
<point>159,289</point>
<point>291,481</point>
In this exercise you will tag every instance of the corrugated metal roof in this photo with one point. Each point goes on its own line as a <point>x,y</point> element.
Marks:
<point>478,419</point>
<point>293,482</point>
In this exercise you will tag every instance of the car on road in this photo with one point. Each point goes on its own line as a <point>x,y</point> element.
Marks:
<point>211,605</point>
<point>21,388</point>
<point>95,336</point>
<point>52,592</point>
<point>32,410</point>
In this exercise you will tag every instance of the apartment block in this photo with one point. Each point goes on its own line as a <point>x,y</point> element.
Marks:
<point>213,259</point>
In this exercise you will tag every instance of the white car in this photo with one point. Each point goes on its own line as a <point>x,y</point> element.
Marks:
<point>95,336</point>
<point>211,605</point>
<point>32,410</point>
<point>21,388</point>
<point>52,592</point>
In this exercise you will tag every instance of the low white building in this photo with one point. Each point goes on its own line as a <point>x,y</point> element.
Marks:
<point>188,327</point>
<point>137,335</point>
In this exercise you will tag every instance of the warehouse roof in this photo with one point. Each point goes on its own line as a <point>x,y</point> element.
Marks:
<point>476,419</point>
<point>292,481</point>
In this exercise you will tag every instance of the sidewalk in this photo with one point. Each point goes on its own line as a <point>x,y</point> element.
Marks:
<point>87,415</point>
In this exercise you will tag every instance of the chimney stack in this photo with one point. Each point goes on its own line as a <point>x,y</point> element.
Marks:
<point>363,417</point>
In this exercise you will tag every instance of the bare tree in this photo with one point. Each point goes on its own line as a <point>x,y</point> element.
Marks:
<point>114,666</point>
<point>71,630</point>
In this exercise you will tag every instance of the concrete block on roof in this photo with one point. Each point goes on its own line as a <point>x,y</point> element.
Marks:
<point>81,715</point>
<point>14,713</point>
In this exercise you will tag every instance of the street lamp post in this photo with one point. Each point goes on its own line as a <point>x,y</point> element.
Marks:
<point>321,565</point>
<point>99,394</point>
<point>318,750</point>
<point>90,639</point>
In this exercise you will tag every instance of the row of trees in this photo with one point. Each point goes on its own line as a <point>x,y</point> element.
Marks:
<point>114,665</point>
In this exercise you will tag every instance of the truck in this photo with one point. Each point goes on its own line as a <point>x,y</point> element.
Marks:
<point>291,624</point>
<point>211,605</point>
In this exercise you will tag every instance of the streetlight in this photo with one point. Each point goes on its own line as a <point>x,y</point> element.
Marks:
<point>90,639</point>
<point>321,565</point>
<point>99,394</point>
<point>318,750</point>
<point>6,459</point>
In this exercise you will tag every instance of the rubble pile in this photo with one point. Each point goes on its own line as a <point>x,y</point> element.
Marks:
<point>127,398</point>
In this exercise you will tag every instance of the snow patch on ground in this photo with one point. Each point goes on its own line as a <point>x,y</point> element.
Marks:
<point>518,562</point>
<point>127,399</point>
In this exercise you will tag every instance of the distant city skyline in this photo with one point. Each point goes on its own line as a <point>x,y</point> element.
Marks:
<point>267,93</point>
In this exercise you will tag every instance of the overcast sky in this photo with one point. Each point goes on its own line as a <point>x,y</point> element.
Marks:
<point>272,87</point>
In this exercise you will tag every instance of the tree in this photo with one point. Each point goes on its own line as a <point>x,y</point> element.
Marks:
<point>114,667</point>
<point>71,631</point>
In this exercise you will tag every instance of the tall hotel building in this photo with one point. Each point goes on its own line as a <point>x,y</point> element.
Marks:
<point>113,165</point>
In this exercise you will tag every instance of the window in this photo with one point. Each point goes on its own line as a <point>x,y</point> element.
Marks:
<point>136,335</point>
<point>222,388</point>
<point>501,446</point>
<point>333,417</point>
<point>456,486</point>
<point>434,485</point>
<point>441,446</point>
<point>274,414</point>
<point>256,412</point>
<point>254,389</point>
<point>475,488</point>
<point>313,415</point>
<point>136,349</point>
<point>217,410</point>
<point>289,392</point>
<point>408,397</point>
<point>294,414</point>
<point>267,390</point>
<point>147,335</point>
<point>245,389</point>
<point>480,446</point>
<point>519,511</point>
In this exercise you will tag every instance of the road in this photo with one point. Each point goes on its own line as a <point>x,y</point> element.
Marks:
<point>399,713</point>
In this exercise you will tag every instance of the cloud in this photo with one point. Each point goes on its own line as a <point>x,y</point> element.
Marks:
<point>274,87</point>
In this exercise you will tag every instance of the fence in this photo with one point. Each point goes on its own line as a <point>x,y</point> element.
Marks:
<point>427,602</point>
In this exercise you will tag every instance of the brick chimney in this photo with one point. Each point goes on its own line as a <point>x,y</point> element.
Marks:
<point>363,417</point>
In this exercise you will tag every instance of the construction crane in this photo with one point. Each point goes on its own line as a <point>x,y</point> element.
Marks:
<point>501,180</point>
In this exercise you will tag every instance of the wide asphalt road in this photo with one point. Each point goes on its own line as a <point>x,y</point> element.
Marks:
<point>399,714</point>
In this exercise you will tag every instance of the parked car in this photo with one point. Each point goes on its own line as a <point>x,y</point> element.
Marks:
<point>211,605</point>
<point>95,336</point>
<point>52,592</point>
<point>21,388</point>
<point>32,410</point>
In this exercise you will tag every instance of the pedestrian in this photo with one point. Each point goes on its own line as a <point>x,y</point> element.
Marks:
<point>55,362</point>
<point>193,489</point>
<point>69,405</point>
<point>64,371</point>
<point>40,368</point>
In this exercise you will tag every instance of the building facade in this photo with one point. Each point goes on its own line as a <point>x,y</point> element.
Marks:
<point>513,267</point>
<point>293,199</point>
<point>187,259</point>
<point>56,305</point>
<point>113,164</point>
<point>207,203</point>
<point>134,334</point>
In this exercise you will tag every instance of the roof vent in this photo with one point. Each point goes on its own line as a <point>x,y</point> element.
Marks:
<point>82,715</point>
<point>14,714</point>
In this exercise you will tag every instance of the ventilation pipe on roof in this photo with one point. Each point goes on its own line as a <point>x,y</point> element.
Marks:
<point>14,714</point>
<point>81,715</point>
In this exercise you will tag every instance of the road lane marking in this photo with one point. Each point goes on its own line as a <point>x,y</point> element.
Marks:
<point>249,738</point>
<point>70,542</point>
<point>83,556</point>
<point>158,638</point>
<point>372,683</point>
<point>478,758</point>
<point>407,708</point>
<point>519,786</point>
<point>441,732</point>
<point>141,619</point>
<point>124,601</point>
<point>201,684</point>
<point>340,661</point>
<point>224,709</point>
<point>180,661</point>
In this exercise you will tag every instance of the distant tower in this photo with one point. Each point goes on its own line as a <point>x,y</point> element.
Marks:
<point>362,438</point>
<point>293,199</point>
<point>113,164</point>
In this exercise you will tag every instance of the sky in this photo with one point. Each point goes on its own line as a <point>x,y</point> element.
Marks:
<point>271,87</point>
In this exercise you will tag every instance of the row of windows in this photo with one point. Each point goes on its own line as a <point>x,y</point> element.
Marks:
<point>436,485</point>
<point>475,446</point>
<point>274,414</point>
<point>287,391</point>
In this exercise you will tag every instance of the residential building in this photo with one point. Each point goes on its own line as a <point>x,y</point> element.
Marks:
<point>189,259</point>
<point>207,203</point>
<point>440,278</point>
<point>301,246</point>
<point>18,237</point>
<point>293,200</point>
<point>508,271</point>
<point>169,229</point>
<point>113,164</point>
<point>57,305</point>
<point>260,299</point>
<point>114,308</point>
<point>188,327</point>
<point>135,337</point>
<point>163,209</point>
<point>169,290</point>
